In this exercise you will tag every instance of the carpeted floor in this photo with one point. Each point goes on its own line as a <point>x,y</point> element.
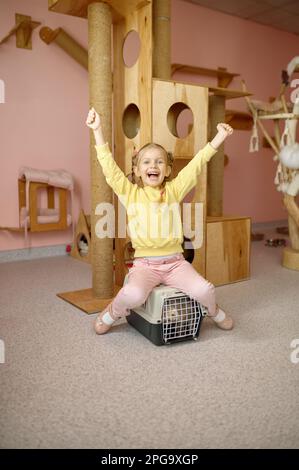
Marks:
<point>62,386</point>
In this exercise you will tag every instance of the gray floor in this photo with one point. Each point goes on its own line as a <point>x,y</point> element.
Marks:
<point>62,386</point>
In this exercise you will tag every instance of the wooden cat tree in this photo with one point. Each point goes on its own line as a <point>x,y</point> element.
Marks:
<point>146,105</point>
<point>287,176</point>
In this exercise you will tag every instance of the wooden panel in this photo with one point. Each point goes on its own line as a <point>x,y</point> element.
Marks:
<point>165,95</point>
<point>131,85</point>
<point>228,250</point>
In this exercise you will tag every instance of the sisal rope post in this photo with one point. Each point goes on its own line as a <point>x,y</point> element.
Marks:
<point>100,95</point>
<point>216,164</point>
<point>162,45</point>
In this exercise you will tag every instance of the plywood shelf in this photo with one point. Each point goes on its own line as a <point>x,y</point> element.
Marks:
<point>239,120</point>
<point>227,93</point>
<point>224,77</point>
<point>120,8</point>
<point>225,218</point>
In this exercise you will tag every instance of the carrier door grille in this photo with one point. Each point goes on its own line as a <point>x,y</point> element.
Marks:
<point>180,318</point>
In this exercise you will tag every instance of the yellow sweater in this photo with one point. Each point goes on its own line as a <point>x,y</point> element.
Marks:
<point>154,216</point>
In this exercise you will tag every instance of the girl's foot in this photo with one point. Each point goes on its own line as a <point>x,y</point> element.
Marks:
<point>222,319</point>
<point>104,321</point>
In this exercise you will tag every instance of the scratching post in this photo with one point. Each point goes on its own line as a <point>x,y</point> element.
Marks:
<point>216,165</point>
<point>290,257</point>
<point>161,32</point>
<point>66,42</point>
<point>294,233</point>
<point>100,93</point>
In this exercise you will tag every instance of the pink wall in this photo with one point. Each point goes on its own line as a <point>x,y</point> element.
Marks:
<point>46,101</point>
<point>42,119</point>
<point>212,39</point>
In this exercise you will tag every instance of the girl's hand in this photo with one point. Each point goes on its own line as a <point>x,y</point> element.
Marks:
<point>93,120</point>
<point>224,129</point>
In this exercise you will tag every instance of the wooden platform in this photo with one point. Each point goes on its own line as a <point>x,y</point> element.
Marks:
<point>290,258</point>
<point>224,77</point>
<point>238,120</point>
<point>84,300</point>
<point>79,8</point>
<point>228,249</point>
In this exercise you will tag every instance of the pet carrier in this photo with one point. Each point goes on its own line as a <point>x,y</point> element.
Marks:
<point>167,316</point>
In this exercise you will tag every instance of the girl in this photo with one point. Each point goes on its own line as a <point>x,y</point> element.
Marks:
<point>158,257</point>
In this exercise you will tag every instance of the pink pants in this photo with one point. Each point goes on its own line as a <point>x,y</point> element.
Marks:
<point>173,272</point>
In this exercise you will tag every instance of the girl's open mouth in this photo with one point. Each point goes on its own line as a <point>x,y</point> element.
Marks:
<point>153,175</point>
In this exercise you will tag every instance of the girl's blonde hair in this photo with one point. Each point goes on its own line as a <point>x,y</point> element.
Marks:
<point>138,155</point>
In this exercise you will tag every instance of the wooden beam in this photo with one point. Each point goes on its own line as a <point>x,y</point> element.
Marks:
<point>66,42</point>
<point>279,116</point>
<point>23,31</point>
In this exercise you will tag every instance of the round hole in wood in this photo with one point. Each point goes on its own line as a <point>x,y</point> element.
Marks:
<point>131,48</point>
<point>131,121</point>
<point>82,244</point>
<point>180,120</point>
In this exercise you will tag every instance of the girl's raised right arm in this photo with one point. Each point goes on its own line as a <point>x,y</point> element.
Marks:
<point>113,174</point>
